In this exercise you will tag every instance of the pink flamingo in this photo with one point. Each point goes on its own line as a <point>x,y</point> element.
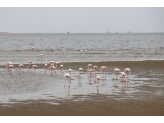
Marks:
<point>20,66</point>
<point>41,55</point>
<point>57,63</point>
<point>61,67</point>
<point>52,68</point>
<point>85,51</point>
<point>32,48</point>
<point>70,71</point>
<point>51,48</point>
<point>123,76</point>
<point>7,65</point>
<point>44,54</point>
<point>90,72</point>
<point>116,70</point>
<point>80,69</point>
<point>103,70</point>
<point>30,64</point>
<point>98,79</point>
<point>45,67</point>
<point>81,52</point>
<point>10,66</point>
<point>89,67</point>
<point>51,62</point>
<point>34,67</point>
<point>128,72</point>
<point>95,68</point>
<point>63,51</point>
<point>68,76</point>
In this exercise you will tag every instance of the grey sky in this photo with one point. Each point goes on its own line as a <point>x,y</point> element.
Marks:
<point>81,20</point>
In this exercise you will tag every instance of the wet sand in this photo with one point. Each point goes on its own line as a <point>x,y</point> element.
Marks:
<point>145,104</point>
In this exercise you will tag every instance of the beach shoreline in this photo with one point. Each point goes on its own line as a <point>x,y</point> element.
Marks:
<point>142,104</point>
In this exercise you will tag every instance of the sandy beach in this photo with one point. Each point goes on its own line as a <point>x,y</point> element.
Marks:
<point>150,103</point>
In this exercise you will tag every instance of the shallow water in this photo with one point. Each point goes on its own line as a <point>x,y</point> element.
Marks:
<point>41,85</point>
<point>100,47</point>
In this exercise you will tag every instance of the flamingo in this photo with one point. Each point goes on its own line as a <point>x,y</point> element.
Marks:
<point>81,52</point>
<point>30,64</point>
<point>32,48</point>
<point>10,66</point>
<point>123,76</point>
<point>70,71</point>
<point>61,67</point>
<point>85,51</point>
<point>57,63</point>
<point>128,72</point>
<point>103,70</point>
<point>80,69</point>
<point>51,62</point>
<point>98,78</point>
<point>95,68</point>
<point>7,65</point>
<point>52,68</point>
<point>41,55</point>
<point>44,55</point>
<point>45,67</point>
<point>68,76</point>
<point>89,67</point>
<point>51,48</point>
<point>34,67</point>
<point>90,70</point>
<point>63,51</point>
<point>116,70</point>
<point>20,66</point>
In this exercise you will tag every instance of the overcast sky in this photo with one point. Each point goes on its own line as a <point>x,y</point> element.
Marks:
<point>81,20</point>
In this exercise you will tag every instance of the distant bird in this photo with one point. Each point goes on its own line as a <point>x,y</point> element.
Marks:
<point>51,48</point>
<point>128,72</point>
<point>89,67</point>
<point>70,71</point>
<point>44,55</point>
<point>63,51</point>
<point>30,64</point>
<point>41,55</point>
<point>103,69</point>
<point>10,66</point>
<point>20,66</point>
<point>34,68</point>
<point>80,69</point>
<point>85,51</point>
<point>45,67</point>
<point>116,72</point>
<point>90,71</point>
<point>32,48</point>
<point>81,52</point>
<point>95,68</point>
<point>123,76</point>
<point>7,65</point>
<point>68,76</point>
<point>98,78</point>
<point>57,64</point>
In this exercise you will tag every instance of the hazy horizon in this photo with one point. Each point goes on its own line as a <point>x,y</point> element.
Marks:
<point>82,19</point>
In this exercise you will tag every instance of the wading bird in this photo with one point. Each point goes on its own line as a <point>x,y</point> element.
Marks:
<point>68,76</point>
<point>80,69</point>
<point>30,64</point>
<point>20,66</point>
<point>116,72</point>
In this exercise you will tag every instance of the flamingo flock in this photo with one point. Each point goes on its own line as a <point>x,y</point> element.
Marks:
<point>125,76</point>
